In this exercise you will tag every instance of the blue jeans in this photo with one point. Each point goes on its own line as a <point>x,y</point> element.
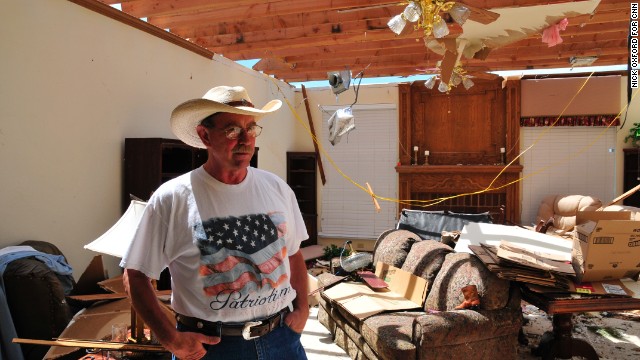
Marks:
<point>281,343</point>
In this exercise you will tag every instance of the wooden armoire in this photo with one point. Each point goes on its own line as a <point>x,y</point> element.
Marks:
<point>470,135</point>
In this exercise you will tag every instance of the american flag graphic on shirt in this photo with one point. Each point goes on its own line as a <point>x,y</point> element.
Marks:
<point>242,254</point>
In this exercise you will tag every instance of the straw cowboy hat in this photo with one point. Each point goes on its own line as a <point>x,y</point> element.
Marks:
<point>188,115</point>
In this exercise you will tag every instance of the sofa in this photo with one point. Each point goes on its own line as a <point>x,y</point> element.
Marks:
<point>436,330</point>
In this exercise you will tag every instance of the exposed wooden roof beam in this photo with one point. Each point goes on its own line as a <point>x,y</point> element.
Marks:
<point>260,10</point>
<point>411,69</point>
<point>302,39</point>
<point>380,48</point>
<point>521,57</point>
<point>265,48</point>
<point>284,21</point>
<point>145,8</point>
<point>352,27</point>
<point>167,8</point>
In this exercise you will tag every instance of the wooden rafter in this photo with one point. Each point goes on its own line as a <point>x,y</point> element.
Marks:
<point>303,39</point>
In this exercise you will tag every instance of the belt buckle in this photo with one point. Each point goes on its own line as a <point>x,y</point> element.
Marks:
<point>246,330</point>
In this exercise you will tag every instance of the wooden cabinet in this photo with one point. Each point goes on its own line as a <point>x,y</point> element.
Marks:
<point>464,132</point>
<point>631,175</point>
<point>301,177</point>
<point>149,162</point>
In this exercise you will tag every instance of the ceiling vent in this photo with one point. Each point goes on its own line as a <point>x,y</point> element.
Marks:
<point>582,60</point>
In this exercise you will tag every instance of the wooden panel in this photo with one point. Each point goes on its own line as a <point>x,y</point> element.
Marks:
<point>404,127</point>
<point>149,162</point>
<point>301,177</point>
<point>462,127</point>
<point>464,132</point>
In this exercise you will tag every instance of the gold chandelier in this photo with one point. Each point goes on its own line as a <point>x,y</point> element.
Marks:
<point>427,16</point>
<point>458,76</point>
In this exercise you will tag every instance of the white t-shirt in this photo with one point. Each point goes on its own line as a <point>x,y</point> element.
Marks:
<point>227,246</point>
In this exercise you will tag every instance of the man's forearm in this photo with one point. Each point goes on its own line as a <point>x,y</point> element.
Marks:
<point>144,300</point>
<point>299,281</point>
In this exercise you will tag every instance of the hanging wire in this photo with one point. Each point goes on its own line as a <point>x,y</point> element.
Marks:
<point>431,202</point>
<point>322,109</point>
<point>356,88</point>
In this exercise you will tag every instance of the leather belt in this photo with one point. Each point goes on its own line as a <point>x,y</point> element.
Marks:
<point>249,330</point>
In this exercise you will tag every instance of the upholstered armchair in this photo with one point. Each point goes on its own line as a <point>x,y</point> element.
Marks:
<point>564,208</point>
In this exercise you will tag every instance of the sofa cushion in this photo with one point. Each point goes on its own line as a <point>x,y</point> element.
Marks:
<point>458,271</point>
<point>390,334</point>
<point>435,334</point>
<point>425,259</point>
<point>429,225</point>
<point>393,247</point>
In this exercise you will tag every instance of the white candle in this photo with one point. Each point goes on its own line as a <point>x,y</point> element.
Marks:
<point>502,150</point>
<point>415,148</point>
<point>426,153</point>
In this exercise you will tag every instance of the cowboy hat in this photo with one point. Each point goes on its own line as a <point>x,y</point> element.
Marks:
<point>188,115</point>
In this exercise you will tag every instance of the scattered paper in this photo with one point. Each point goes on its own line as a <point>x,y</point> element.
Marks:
<point>534,259</point>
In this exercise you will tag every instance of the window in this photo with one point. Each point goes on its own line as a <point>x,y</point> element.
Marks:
<point>368,154</point>
<point>564,168</point>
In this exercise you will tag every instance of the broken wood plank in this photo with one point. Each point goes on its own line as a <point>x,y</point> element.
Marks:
<point>93,344</point>
<point>114,296</point>
<point>313,132</point>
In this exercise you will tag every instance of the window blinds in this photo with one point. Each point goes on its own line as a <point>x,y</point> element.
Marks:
<point>367,154</point>
<point>566,161</point>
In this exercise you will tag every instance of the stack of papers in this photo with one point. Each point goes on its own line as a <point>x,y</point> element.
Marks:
<point>519,256</point>
<point>542,272</point>
<point>511,262</point>
<point>540,262</point>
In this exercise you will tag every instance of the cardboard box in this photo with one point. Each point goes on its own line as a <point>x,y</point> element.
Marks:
<point>606,246</point>
<point>406,291</point>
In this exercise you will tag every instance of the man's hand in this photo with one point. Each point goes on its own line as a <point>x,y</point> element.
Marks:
<point>297,319</point>
<point>300,282</point>
<point>188,345</point>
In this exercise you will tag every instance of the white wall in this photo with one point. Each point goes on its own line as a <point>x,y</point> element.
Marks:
<point>74,84</point>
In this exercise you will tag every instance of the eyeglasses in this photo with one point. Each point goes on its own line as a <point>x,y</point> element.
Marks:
<point>233,132</point>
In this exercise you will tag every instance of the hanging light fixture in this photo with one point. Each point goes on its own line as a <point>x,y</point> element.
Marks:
<point>431,82</point>
<point>458,76</point>
<point>427,14</point>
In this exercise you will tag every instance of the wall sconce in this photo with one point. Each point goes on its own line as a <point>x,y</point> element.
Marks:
<point>427,15</point>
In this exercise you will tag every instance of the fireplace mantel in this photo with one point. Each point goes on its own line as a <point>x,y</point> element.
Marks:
<point>468,135</point>
<point>428,182</point>
<point>456,169</point>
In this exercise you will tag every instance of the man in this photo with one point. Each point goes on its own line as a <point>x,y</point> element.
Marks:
<point>230,236</point>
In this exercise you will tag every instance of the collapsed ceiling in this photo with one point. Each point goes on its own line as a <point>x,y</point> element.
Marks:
<point>302,40</point>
